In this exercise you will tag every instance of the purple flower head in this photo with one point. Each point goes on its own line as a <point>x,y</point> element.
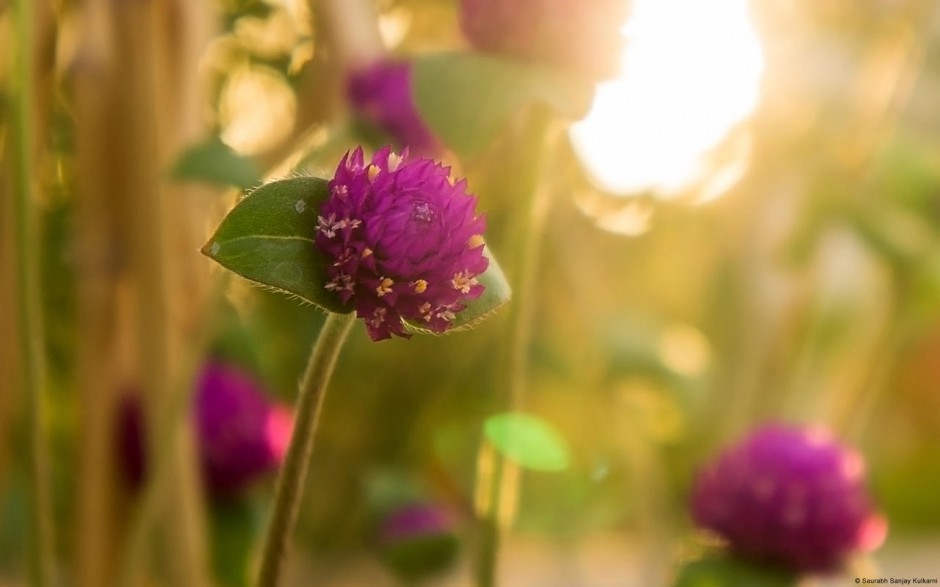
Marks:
<point>789,496</point>
<point>241,434</point>
<point>381,94</point>
<point>403,240</point>
<point>583,36</point>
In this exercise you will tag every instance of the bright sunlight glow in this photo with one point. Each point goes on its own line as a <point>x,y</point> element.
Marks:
<point>690,71</point>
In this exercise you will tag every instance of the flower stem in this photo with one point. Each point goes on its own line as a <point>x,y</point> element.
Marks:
<point>291,479</point>
<point>28,297</point>
<point>492,483</point>
<point>497,488</point>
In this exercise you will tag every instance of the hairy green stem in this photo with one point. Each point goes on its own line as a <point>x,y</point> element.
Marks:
<point>498,477</point>
<point>28,298</point>
<point>290,482</point>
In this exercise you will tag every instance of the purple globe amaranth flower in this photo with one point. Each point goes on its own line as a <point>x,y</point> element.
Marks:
<point>583,36</point>
<point>403,241</point>
<point>789,496</point>
<point>241,434</point>
<point>381,94</point>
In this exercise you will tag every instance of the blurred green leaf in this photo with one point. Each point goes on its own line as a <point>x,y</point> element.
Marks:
<point>387,488</point>
<point>909,171</point>
<point>215,162</point>
<point>268,238</point>
<point>468,98</point>
<point>724,571</point>
<point>528,440</point>
<point>898,234</point>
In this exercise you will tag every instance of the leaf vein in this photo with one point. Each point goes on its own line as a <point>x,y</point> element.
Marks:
<point>267,236</point>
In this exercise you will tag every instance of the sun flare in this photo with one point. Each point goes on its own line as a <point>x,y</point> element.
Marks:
<point>690,72</point>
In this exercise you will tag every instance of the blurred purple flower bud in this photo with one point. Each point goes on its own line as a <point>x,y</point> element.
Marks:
<point>789,496</point>
<point>415,520</point>
<point>583,36</point>
<point>241,434</point>
<point>417,540</point>
<point>380,93</point>
<point>405,242</point>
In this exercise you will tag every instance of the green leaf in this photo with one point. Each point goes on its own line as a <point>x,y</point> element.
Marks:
<point>215,162</point>
<point>468,98</point>
<point>268,238</point>
<point>497,293</point>
<point>726,571</point>
<point>529,440</point>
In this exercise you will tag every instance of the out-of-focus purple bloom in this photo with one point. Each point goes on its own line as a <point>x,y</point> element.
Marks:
<point>583,36</point>
<point>418,539</point>
<point>241,434</point>
<point>415,520</point>
<point>403,240</point>
<point>380,93</point>
<point>790,496</point>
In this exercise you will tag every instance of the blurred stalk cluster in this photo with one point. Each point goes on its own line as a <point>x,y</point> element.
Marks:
<point>649,329</point>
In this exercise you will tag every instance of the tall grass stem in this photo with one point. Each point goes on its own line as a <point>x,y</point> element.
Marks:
<point>28,296</point>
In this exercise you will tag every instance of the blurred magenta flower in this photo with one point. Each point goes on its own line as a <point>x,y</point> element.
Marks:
<point>380,93</point>
<point>582,36</point>
<point>418,539</point>
<point>242,435</point>
<point>405,242</point>
<point>414,520</point>
<point>789,496</point>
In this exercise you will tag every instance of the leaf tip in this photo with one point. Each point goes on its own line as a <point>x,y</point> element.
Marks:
<point>210,249</point>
